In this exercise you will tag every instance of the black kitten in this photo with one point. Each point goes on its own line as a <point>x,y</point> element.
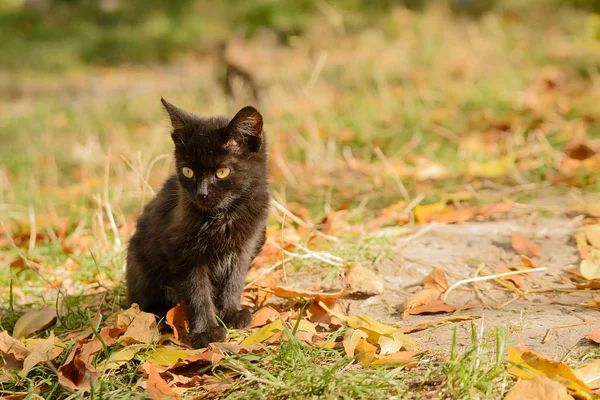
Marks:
<point>195,241</point>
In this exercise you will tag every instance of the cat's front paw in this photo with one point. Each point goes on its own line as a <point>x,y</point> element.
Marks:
<point>212,334</point>
<point>239,319</point>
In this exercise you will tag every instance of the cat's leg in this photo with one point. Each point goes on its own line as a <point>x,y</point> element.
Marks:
<point>196,291</point>
<point>229,300</point>
<point>144,286</point>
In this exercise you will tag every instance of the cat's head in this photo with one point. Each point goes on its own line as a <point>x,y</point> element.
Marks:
<point>218,159</point>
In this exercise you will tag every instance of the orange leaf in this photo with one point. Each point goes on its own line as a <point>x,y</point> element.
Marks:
<point>516,279</point>
<point>158,388</point>
<point>524,246</point>
<point>436,280</point>
<point>421,298</point>
<point>321,317</point>
<point>538,388</point>
<point>264,316</point>
<point>595,336</point>
<point>435,307</point>
<point>406,358</point>
<point>363,280</point>
<point>177,320</point>
<point>290,293</point>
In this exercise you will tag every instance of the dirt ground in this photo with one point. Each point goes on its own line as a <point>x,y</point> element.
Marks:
<point>459,250</point>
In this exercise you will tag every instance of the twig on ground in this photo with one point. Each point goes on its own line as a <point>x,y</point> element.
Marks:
<point>549,331</point>
<point>487,278</point>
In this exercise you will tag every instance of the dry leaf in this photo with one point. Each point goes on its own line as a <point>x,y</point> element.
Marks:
<point>142,329</point>
<point>425,325</point>
<point>124,318</point>
<point>264,333</point>
<point>44,350</point>
<point>351,338</point>
<point>167,356</point>
<point>538,388</point>
<point>516,279</point>
<point>590,374</point>
<point>364,281</point>
<point>177,320</point>
<point>594,336</point>
<point>421,298</point>
<point>592,233</point>
<point>435,307</point>
<point>33,321</point>
<point>157,388</point>
<point>423,213</point>
<point>121,357</point>
<point>264,316</point>
<point>436,280</point>
<point>365,352</point>
<point>405,358</point>
<point>527,364</point>
<point>12,352</point>
<point>590,267</point>
<point>524,246</point>
<point>291,293</point>
<point>321,317</point>
<point>77,373</point>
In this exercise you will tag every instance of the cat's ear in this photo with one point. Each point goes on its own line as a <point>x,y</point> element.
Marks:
<point>179,118</point>
<point>246,128</point>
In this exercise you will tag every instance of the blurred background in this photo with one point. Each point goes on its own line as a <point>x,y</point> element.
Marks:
<point>367,105</point>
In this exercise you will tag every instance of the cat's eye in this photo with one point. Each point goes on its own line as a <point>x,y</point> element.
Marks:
<point>187,172</point>
<point>223,173</point>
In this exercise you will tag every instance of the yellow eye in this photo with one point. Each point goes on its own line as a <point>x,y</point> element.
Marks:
<point>223,173</point>
<point>187,172</point>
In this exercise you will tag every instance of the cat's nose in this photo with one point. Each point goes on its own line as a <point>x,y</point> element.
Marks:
<point>202,191</point>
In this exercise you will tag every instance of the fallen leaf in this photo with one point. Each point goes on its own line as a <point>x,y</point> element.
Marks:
<point>594,336</point>
<point>365,352</point>
<point>45,350</point>
<point>592,233</point>
<point>524,246</point>
<point>425,325</point>
<point>526,364</point>
<point>421,298</point>
<point>389,345</point>
<point>76,373</point>
<point>351,338</point>
<point>590,267</point>
<point>590,374</point>
<point>516,279</point>
<point>158,388</point>
<point>264,316</point>
<point>124,318</point>
<point>466,214</point>
<point>177,320</point>
<point>166,356</point>
<point>264,333</point>
<point>435,307</point>
<point>143,329</point>
<point>593,284</point>
<point>321,317</point>
<point>405,358</point>
<point>13,352</point>
<point>436,280</point>
<point>33,321</point>
<point>538,388</point>
<point>362,280</point>
<point>422,213</point>
<point>291,293</point>
<point>121,357</point>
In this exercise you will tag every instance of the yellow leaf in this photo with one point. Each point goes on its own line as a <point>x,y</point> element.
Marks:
<point>422,213</point>
<point>527,364</point>
<point>121,357</point>
<point>592,232</point>
<point>369,324</point>
<point>43,350</point>
<point>263,333</point>
<point>33,321</point>
<point>590,268</point>
<point>488,169</point>
<point>165,356</point>
<point>402,357</point>
<point>393,344</point>
<point>126,317</point>
<point>365,352</point>
<point>351,338</point>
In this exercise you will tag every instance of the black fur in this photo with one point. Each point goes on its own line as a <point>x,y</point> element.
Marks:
<point>194,249</point>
